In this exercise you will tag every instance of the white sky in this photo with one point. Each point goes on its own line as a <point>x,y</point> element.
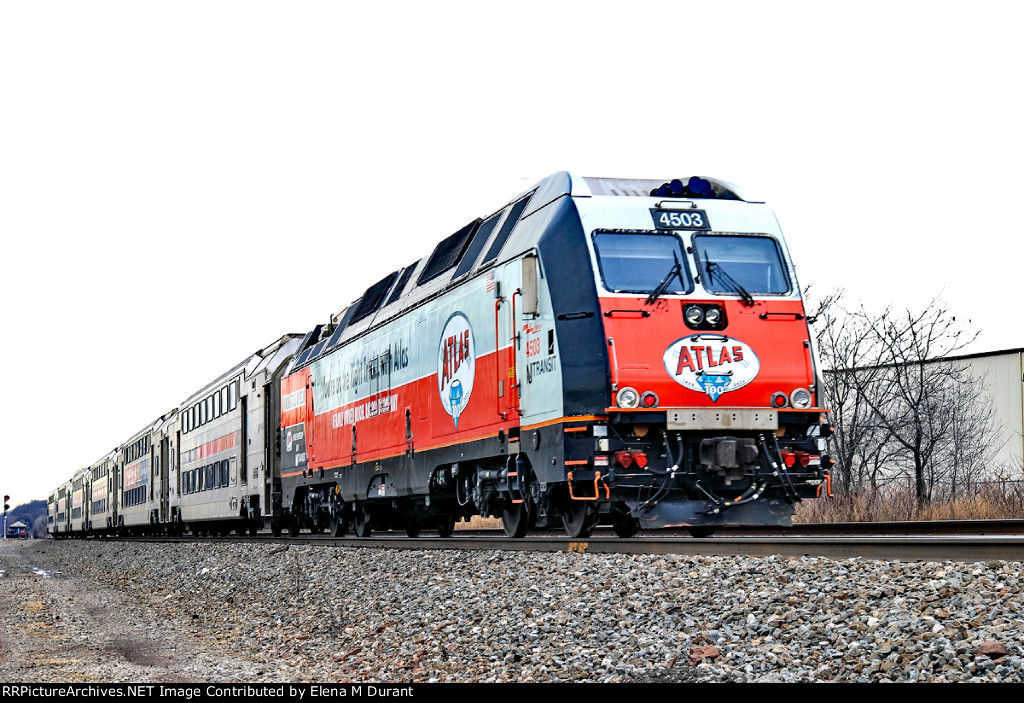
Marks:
<point>181,183</point>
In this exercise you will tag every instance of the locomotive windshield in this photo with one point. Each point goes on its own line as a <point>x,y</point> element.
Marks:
<point>738,264</point>
<point>639,263</point>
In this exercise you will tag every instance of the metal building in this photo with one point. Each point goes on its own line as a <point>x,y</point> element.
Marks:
<point>1001,378</point>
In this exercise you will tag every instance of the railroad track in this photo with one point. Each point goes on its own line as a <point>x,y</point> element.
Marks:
<point>969,541</point>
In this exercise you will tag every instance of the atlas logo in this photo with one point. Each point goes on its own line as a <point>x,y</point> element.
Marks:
<point>711,364</point>
<point>456,365</point>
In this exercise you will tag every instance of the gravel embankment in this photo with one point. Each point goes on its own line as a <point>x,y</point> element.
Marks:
<point>252,613</point>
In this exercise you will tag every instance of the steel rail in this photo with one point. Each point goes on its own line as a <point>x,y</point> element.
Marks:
<point>962,548</point>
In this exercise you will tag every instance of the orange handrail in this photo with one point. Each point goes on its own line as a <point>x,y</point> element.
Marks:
<point>597,489</point>
<point>497,361</point>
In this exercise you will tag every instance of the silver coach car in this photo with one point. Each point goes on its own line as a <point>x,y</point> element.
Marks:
<point>225,473</point>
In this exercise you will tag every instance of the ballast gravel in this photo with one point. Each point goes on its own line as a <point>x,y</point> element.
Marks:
<point>263,613</point>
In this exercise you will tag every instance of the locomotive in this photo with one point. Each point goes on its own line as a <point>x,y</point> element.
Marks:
<point>597,351</point>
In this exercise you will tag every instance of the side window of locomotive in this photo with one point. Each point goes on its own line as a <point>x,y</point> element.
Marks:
<point>448,253</point>
<point>729,262</point>
<point>396,293</point>
<point>476,245</point>
<point>506,229</point>
<point>639,263</point>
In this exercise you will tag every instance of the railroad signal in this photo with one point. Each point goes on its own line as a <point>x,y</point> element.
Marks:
<point>7,505</point>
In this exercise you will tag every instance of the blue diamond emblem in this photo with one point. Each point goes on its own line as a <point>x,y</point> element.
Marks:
<point>714,384</point>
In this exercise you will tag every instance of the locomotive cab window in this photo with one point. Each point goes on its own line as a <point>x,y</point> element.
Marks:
<point>733,264</point>
<point>640,263</point>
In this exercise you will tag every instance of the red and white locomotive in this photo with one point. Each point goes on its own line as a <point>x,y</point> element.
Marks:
<point>599,350</point>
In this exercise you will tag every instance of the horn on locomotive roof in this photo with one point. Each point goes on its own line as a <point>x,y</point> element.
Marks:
<point>695,187</point>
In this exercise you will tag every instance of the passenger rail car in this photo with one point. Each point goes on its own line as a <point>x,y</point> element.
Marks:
<point>626,352</point>
<point>227,476</point>
<point>138,472</point>
<point>599,350</point>
<point>103,497</point>
<point>80,491</point>
<point>58,511</point>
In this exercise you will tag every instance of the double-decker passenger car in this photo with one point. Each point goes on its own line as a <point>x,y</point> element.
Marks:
<point>80,491</point>
<point>58,511</point>
<point>103,498</point>
<point>227,470</point>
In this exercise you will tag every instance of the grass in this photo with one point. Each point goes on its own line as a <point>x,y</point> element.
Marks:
<point>479,523</point>
<point>991,501</point>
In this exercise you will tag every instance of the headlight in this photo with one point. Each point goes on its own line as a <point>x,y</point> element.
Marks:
<point>694,315</point>
<point>800,398</point>
<point>713,316</point>
<point>627,398</point>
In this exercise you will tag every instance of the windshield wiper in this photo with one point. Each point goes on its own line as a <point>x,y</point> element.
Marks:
<point>729,281</point>
<point>676,270</point>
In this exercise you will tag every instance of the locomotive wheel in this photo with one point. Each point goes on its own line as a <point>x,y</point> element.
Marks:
<point>626,526</point>
<point>446,527</point>
<point>275,528</point>
<point>412,529</point>
<point>254,528</point>
<point>515,519</point>
<point>336,526</point>
<point>579,519</point>
<point>702,531</point>
<point>363,522</point>
<point>293,528</point>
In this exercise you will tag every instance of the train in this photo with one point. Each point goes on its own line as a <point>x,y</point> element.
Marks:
<point>598,351</point>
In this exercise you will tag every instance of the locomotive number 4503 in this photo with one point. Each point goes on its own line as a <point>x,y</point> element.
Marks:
<point>680,219</point>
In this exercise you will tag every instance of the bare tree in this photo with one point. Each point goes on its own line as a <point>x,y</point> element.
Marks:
<point>900,406</point>
<point>860,446</point>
